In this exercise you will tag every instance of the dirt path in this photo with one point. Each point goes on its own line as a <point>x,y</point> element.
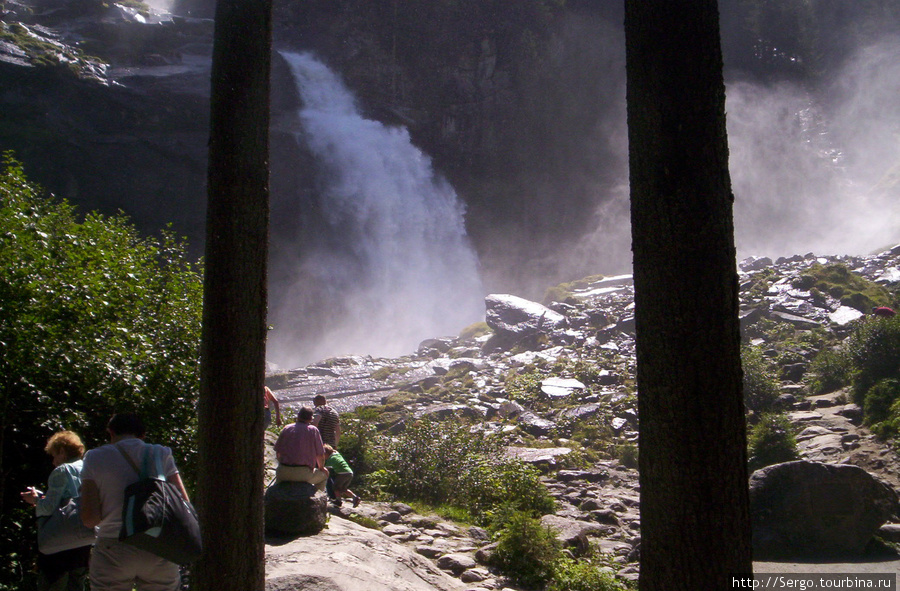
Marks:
<point>831,433</point>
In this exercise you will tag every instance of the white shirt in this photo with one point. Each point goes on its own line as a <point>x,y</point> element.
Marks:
<point>112,473</point>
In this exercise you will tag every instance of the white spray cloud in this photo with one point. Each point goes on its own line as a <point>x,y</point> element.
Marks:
<point>810,172</point>
<point>398,267</point>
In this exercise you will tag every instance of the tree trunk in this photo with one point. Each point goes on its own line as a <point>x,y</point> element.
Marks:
<point>231,467</point>
<point>695,524</point>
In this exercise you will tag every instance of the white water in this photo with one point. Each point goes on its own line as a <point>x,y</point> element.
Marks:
<point>402,269</point>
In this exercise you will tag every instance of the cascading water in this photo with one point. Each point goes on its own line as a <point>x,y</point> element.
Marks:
<point>398,267</point>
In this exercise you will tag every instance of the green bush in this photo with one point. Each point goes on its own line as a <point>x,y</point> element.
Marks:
<point>361,447</point>
<point>874,354</point>
<point>760,385</point>
<point>829,371</point>
<point>771,441</point>
<point>582,575</point>
<point>94,319</point>
<point>526,550</point>
<point>880,400</point>
<point>492,482</point>
<point>427,460</point>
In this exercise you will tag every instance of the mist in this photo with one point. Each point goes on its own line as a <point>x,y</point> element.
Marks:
<point>812,170</point>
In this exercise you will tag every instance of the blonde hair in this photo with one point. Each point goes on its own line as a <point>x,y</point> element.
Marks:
<point>328,449</point>
<point>66,441</point>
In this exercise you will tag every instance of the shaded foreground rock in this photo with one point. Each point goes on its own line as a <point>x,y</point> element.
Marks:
<point>810,510</point>
<point>295,508</point>
<point>348,557</point>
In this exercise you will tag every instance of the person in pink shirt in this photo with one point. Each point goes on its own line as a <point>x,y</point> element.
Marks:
<point>300,453</point>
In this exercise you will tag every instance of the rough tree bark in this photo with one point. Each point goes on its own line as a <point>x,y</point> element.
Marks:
<point>232,374</point>
<point>695,525</point>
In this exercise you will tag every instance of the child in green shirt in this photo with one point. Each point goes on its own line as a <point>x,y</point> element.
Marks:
<point>340,475</point>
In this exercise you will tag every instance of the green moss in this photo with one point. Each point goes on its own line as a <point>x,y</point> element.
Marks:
<point>564,291</point>
<point>838,281</point>
<point>475,330</point>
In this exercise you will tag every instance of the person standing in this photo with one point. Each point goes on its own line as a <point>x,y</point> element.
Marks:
<point>328,421</point>
<point>115,565</point>
<point>300,452</point>
<point>66,570</point>
<point>270,402</point>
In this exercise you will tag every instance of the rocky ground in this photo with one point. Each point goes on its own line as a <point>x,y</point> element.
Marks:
<point>597,504</point>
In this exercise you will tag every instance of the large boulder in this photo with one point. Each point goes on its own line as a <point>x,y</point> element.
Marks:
<point>810,510</point>
<point>295,509</point>
<point>346,556</point>
<point>512,316</point>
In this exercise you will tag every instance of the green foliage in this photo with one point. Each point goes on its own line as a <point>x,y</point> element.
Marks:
<point>771,441</point>
<point>426,461</point>
<point>873,351</point>
<point>444,464</point>
<point>494,481</point>
<point>524,387</point>
<point>880,400</point>
<point>627,454</point>
<point>582,575</point>
<point>760,384</point>
<point>829,371</point>
<point>526,550</point>
<point>360,447</point>
<point>94,319</point>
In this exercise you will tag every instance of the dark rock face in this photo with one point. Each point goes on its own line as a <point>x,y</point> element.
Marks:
<point>809,510</point>
<point>295,508</point>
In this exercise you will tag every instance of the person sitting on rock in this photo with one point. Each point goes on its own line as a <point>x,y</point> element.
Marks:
<point>340,476</point>
<point>301,456</point>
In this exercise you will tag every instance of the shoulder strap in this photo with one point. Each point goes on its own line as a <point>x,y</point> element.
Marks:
<point>129,460</point>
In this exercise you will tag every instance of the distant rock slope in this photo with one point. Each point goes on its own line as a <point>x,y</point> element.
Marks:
<point>467,379</point>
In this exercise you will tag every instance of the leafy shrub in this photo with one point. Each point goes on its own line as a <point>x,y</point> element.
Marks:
<point>582,575</point>
<point>360,446</point>
<point>427,460</point>
<point>94,319</point>
<point>760,385</point>
<point>524,387</point>
<point>493,482</point>
<point>874,354</point>
<point>880,399</point>
<point>526,550</point>
<point>829,371</point>
<point>771,441</point>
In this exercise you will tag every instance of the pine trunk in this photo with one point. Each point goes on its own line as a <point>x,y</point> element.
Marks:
<point>695,525</point>
<point>231,474</point>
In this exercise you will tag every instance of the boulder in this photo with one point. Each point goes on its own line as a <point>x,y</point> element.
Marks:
<point>295,509</point>
<point>572,533</point>
<point>346,556</point>
<point>806,509</point>
<point>515,316</point>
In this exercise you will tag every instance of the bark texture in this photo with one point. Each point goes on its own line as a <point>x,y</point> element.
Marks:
<point>695,527</point>
<point>231,475</point>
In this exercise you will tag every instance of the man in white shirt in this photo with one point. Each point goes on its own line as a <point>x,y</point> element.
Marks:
<point>115,565</point>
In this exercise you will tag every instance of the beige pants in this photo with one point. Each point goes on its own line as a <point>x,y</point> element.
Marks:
<point>316,477</point>
<point>116,566</point>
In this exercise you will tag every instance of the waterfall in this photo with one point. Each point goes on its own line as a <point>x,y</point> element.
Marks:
<point>397,265</point>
